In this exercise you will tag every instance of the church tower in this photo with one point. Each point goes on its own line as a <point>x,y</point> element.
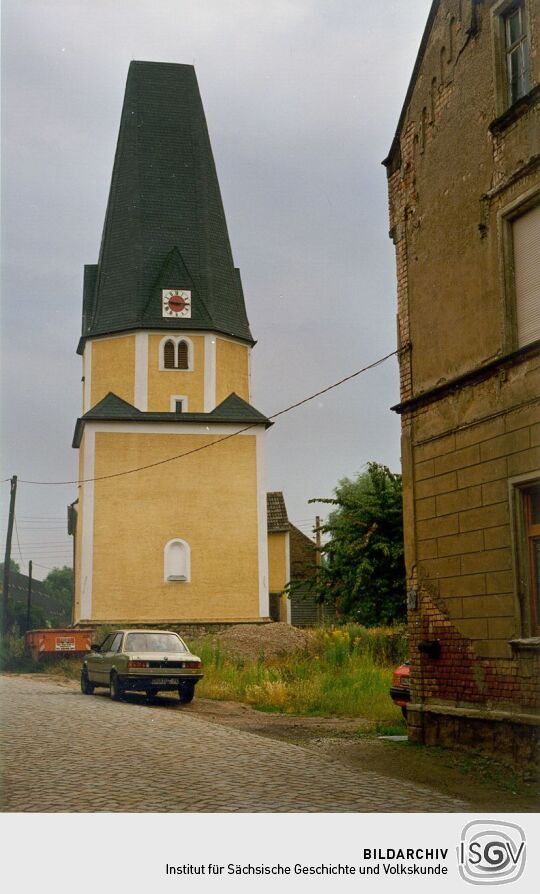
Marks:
<point>166,350</point>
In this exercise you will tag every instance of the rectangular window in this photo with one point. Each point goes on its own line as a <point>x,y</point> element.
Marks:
<point>526,263</point>
<point>517,53</point>
<point>179,403</point>
<point>531,506</point>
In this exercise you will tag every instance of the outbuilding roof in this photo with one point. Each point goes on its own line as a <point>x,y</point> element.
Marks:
<point>276,512</point>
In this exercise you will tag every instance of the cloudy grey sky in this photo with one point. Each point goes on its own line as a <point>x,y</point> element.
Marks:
<point>302,98</point>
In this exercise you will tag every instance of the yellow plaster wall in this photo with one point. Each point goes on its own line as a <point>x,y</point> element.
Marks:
<point>208,500</point>
<point>162,384</point>
<point>278,575</point>
<point>78,540</point>
<point>113,368</point>
<point>278,572</point>
<point>232,370</point>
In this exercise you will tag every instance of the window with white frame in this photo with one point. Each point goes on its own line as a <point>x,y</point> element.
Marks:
<point>177,560</point>
<point>179,403</point>
<point>527,542</point>
<point>526,268</point>
<point>516,42</point>
<point>176,353</point>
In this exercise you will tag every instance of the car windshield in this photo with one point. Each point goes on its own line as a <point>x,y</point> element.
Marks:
<point>154,642</point>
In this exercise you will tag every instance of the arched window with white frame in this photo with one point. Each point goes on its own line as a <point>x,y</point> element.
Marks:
<point>177,560</point>
<point>176,353</point>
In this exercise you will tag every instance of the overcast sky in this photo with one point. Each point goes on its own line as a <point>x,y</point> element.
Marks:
<point>302,98</point>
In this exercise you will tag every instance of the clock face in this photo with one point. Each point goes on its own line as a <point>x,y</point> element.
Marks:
<point>176,303</point>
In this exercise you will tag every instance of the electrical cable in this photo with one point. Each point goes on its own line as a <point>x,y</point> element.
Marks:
<point>17,537</point>
<point>162,462</point>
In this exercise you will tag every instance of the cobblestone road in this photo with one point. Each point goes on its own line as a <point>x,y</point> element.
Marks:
<point>63,751</point>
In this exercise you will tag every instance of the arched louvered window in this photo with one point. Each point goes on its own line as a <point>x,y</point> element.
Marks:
<point>177,560</point>
<point>183,356</point>
<point>176,352</point>
<point>168,355</point>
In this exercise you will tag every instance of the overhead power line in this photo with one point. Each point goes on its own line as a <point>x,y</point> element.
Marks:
<point>17,537</point>
<point>170,459</point>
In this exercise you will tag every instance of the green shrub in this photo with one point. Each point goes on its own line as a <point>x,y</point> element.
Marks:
<point>13,655</point>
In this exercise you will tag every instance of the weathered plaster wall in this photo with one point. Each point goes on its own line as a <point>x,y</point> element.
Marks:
<point>453,184</point>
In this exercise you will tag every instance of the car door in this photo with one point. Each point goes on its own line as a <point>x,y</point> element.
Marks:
<point>109,657</point>
<point>95,661</point>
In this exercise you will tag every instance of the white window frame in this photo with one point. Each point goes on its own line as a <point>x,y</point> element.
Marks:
<point>183,398</point>
<point>522,44</point>
<point>518,486</point>
<point>176,340</point>
<point>500,13</point>
<point>506,217</point>
<point>167,561</point>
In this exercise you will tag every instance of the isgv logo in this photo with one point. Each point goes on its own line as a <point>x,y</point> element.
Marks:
<point>491,852</point>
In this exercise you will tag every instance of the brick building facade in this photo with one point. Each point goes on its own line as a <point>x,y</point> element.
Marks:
<point>464,193</point>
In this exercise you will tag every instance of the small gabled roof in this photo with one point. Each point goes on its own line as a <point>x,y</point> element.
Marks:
<point>233,405</point>
<point>276,512</point>
<point>165,226</point>
<point>113,409</point>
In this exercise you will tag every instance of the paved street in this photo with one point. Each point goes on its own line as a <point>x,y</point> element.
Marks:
<point>63,751</point>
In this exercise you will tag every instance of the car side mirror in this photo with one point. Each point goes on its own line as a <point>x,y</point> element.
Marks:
<point>95,647</point>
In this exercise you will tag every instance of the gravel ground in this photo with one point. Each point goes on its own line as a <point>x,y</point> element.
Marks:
<point>255,640</point>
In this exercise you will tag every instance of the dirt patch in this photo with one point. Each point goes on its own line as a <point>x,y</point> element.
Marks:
<point>253,641</point>
<point>470,777</point>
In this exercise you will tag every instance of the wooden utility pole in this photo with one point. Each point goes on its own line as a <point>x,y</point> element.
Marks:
<point>29,602</point>
<point>320,607</point>
<point>7,557</point>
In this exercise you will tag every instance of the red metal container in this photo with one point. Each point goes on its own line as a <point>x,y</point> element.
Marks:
<point>59,641</point>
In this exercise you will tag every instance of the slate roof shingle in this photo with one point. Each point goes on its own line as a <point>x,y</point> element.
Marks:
<point>113,409</point>
<point>165,226</point>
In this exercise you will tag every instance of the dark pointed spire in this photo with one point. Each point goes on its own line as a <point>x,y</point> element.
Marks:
<point>165,226</point>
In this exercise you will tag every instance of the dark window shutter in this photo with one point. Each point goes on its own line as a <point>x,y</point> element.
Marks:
<point>182,355</point>
<point>168,355</point>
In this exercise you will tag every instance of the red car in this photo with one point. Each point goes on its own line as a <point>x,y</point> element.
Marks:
<point>400,690</point>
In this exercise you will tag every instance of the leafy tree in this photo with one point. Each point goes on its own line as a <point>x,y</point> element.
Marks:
<point>362,569</point>
<point>59,584</point>
<point>13,566</point>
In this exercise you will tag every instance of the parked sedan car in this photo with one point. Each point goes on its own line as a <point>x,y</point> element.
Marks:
<point>400,690</point>
<point>149,661</point>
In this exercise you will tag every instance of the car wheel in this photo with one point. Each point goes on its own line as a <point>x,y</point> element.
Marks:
<point>87,688</point>
<point>186,691</point>
<point>117,691</point>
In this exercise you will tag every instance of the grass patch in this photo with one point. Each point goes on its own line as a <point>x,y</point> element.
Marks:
<point>65,667</point>
<point>345,672</point>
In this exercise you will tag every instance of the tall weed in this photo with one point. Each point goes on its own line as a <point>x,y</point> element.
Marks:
<point>345,672</point>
